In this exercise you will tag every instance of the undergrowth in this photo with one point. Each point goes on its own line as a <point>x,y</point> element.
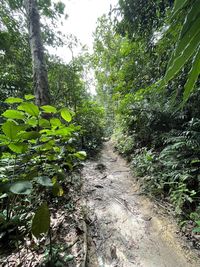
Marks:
<point>38,156</point>
<point>166,160</point>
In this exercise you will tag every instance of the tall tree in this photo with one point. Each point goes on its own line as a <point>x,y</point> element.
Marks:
<point>41,86</point>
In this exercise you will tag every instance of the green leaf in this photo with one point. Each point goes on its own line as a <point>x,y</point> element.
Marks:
<point>44,123</point>
<point>192,77</point>
<point>63,132</point>
<point>80,155</point>
<point>32,121</point>
<point>11,129</point>
<point>44,180</point>
<point>29,135</point>
<point>55,122</point>
<point>41,221</point>
<point>57,190</point>
<point>3,139</point>
<point>185,39</point>
<point>49,109</point>
<point>21,188</point>
<point>29,108</point>
<point>18,148</point>
<point>188,43</point>
<point>65,114</point>
<point>13,114</point>
<point>192,16</point>
<point>69,165</point>
<point>13,100</point>
<point>182,59</point>
<point>178,5</point>
<point>29,97</point>
<point>45,147</point>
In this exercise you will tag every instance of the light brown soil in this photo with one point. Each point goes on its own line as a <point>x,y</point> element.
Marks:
<point>125,227</point>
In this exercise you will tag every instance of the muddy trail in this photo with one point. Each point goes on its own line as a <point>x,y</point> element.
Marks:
<point>124,227</point>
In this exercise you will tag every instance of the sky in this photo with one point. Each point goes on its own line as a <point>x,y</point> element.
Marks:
<point>81,21</point>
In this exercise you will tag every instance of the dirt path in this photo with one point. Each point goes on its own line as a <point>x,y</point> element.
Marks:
<point>124,228</point>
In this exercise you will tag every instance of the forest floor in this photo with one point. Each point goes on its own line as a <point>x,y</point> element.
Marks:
<point>125,228</point>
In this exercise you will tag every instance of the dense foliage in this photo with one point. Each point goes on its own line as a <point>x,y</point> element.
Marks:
<point>33,142</point>
<point>147,68</point>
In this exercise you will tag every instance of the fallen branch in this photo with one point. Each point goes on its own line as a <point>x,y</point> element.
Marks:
<point>70,245</point>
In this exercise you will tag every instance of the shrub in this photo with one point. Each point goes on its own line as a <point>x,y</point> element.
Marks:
<point>36,151</point>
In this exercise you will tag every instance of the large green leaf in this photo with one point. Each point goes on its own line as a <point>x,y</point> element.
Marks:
<point>192,16</point>
<point>21,188</point>
<point>44,123</point>
<point>55,122</point>
<point>18,148</point>
<point>179,4</point>
<point>44,180</point>
<point>11,129</point>
<point>65,114</point>
<point>29,108</point>
<point>13,100</point>
<point>185,40</point>
<point>13,114</point>
<point>189,30</point>
<point>180,61</point>
<point>192,77</point>
<point>187,45</point>
<point>49,109</point>
<point>41,221</point>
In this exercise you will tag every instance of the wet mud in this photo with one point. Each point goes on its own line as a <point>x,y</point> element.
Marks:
<point>125,229</point>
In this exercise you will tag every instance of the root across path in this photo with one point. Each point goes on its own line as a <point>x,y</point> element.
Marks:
<point>124,227</point>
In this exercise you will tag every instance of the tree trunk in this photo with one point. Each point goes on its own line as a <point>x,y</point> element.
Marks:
<point>40,79</point>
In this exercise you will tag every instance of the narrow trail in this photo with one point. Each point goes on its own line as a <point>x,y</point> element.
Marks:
<point>125,229</point>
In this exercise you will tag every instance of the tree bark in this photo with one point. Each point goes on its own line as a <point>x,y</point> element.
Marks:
<point>40,79</point>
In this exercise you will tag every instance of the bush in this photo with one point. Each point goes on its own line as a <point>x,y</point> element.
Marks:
<point>36,153</point>
<point>163,144</point>
<point>90,116</point>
